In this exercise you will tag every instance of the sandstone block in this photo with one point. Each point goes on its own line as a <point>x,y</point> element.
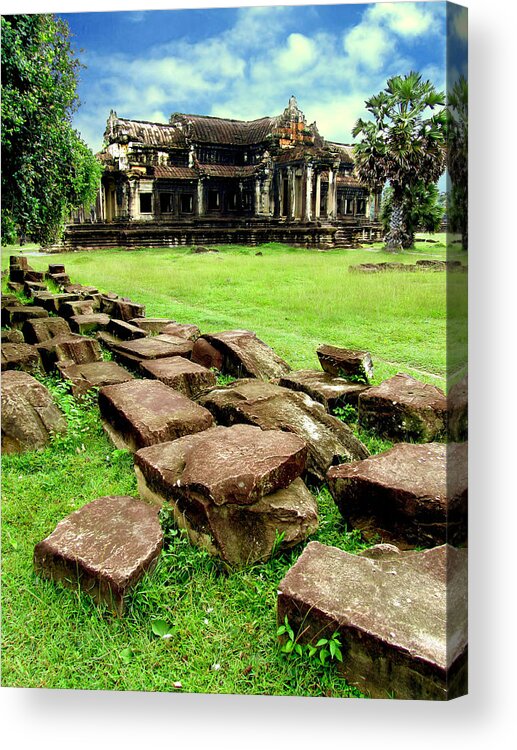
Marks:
<point>132,353</point>
<point>181,374</point>
<point>405,409</point>
<point>77,307</point>
<point>329,390</point>
<point>121,308</point>
<point>145,412</point>
<point>271,407</point>
<point>412,495</point>
<point>402,619</point>
<point>12,336</point>
<point>15,316</point>
<point>183,330</point>
<point>29,415</point>
<point>125,331</point>
<point>20,357</point>
<point>79,349</point>
<point>52,302</point>
<point>89,323</point>
<point>458,411</point>
<point>42,329</point>
<point>56,268</point>
<point>346,363</point>
<point>104,548</point>
<point>239,353</point>
<point>92,375</point>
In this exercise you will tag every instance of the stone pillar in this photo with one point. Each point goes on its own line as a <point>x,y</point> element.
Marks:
<point>292,192</point>
<point>308,193</point>
<point>200,197</point>
<point>317,206</point>
<point>332,195</point>
<point>258,198</point>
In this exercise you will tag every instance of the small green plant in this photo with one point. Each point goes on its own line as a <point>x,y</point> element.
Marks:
<point>324,650</point>
<point>223,379</point>
<point>346,413</point>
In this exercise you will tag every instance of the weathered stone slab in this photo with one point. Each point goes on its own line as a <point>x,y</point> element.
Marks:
<point>132,353</point>
<point>125,331</point>
<point>34,276</point>
<point>17,274</point>
<point>8,300</point>
<point>29,415</point>
<point>77,307</point>
<point>121,308</point>
<point>15,286</point>
<point>329,390</point>
<point>56,268</point>
<point>19,260</point>
<point>152,326</point>
<point>183,330</point>
<point>402,620</point>
<point>239,353</point>
<point>81,290</point>
<point>104,548</point>
<point>346,363</point>
<point>20,357</point>
<point>52,302</point>
<point>79,349</point>
<point>92,375</point>
<point>234,490</point>
<point>412,495</point>
<point>89,323</point>
<point>12,336</point>
<point>145,412</point>
<point>458,411</point>
<point>61,279</point>
<point>271,407</point>
<point>181,374</point>
<point>403,408</point>
<point>31,287</point>
<point>37,330</point>
<point>14,316</point>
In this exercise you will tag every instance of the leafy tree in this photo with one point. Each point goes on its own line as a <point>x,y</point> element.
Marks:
<point>404,144</point>
<point>457,162</point>
<point>423,209</point>
<point>47,170</point>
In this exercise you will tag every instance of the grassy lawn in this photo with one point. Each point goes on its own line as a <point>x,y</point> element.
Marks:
<point>222,623</point>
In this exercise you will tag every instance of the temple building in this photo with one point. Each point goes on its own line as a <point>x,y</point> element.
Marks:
<point>202,178</point>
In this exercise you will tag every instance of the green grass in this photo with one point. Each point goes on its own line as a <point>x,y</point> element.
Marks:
<point>295,300</point>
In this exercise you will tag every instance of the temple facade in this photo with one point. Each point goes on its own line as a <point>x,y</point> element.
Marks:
<point>275,174</point>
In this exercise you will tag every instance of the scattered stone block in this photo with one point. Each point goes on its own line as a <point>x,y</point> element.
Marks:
<point>121,308</point>
<point>61,279</point>
<point>15,287</point>
<point>233,489</point>
<point>458,411</point>
<point>145,412</point>
<point>329,390</point>
<point>79,349</point>
<point>52,302</point>
<point>92,375</point>
<point>402,619</point>
<point>20,357</point>
<point>239,353</point>
<point>346,363</point>
<point>38,330</point>
<point>77,307</point>
<point>81,290</point>
<point>29,415</point>
<point>56,268</point>
<point>404,409</point>
<point>271,407</point>
<point>19,260</point>
<point>12,336</point>
<point>17,275</point>
<point>151,326</point>
<point>182,330</point>
<point>411,495</point>
<point>34,276</point>
<point>8,300</point>
<point>181,374</point>
<point>14,316</point>
<point>31,287</point>
<point>125,331</point>
<point>89,323</point>
<point>132,353</point>
<point>105,548</point>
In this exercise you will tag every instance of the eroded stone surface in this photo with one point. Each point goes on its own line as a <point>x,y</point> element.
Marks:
<point>329,390</point>
<point>145,412</point>
<point>403,408</point>
<point>458,411</point>
<point>80,349</point>
<point>89,323</point>
<point>104,548</point>
<point>411,495</point>
<point>239,353</point>
<point>92,375</point>
<point>233,489</point>
<point>346,363</point>
<point>183,330</point>
<point>12,336</point>
<point>20,357</point>
<point>15,316</point>
<point>121,308</point>
<point>132,353</point>
<point>272,407</point>
<point>402,620</point>
<point>152,326</point>
<point>181,374</point>
<point>37,330</point>
<point>125,331</point>
<point>52,302</point>
<point>68,309</point>
<point>29,415</point>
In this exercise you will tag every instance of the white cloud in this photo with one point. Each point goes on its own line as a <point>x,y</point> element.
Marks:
<point>406,19</point>
<point>461,23</point>
<point>298,54</point>
<point>368,45</point>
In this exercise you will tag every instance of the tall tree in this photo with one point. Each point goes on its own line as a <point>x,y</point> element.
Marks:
<point>423,207</point>
<point>403,144</point>
<point>47,170</point>
<point>457,160</point>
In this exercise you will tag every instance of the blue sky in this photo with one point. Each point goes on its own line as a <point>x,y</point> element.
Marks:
<point>247,62</point>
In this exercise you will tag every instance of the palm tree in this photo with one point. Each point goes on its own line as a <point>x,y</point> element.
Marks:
<point>401,145</point>
<point>457,158</point>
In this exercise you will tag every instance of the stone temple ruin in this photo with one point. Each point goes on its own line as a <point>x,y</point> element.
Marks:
<point>234,464</point>
<point>202,179</point>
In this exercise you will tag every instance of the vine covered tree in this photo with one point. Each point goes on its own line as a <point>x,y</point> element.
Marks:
<point>404,144</point>
<point>424,208</point>
<point>457,162</point>
<point>47,170</point>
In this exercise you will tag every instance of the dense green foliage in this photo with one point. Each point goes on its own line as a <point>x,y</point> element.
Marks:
<point>457,163</point>
<point>423,209</point>
<point>402,146</point>
<point>47,170</point>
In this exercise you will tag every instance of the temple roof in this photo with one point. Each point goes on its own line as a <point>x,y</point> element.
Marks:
<point>205,129</point>
<point>175,173</point>
<point>141,131</point>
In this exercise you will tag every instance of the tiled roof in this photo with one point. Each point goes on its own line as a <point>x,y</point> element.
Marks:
<point>346,152</point>
<point>228,170</point>
<point>204,129</point>
<point>175,173</point>
<point>148,133</point>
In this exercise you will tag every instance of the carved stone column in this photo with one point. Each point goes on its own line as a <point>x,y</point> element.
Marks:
<point>292,192</point>
<point>200,197</point>
<point>308,192</point>
<point>317,201</point>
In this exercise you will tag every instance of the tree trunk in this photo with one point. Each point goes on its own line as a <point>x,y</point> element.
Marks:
<point>396,235</point>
